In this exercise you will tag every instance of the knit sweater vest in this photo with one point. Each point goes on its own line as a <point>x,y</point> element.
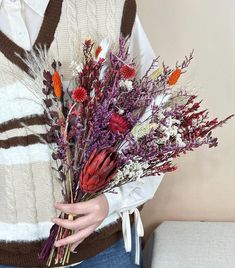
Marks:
<point>28,184</point>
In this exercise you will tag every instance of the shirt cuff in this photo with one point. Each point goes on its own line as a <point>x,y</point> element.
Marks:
<point>114,201</point>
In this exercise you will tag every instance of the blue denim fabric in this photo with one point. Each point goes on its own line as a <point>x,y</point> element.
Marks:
<point>113,257</point>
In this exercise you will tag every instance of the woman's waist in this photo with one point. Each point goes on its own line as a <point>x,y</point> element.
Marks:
<point>24,253</point>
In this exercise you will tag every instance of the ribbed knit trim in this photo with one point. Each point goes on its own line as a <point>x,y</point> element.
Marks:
<point>45,37</point>
<point>128,17</point>
<point>25,254</point>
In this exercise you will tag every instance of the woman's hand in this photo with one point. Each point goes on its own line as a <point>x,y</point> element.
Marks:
<point>91,215</point>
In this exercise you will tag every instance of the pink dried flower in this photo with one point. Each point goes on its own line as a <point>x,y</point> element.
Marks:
<point>127,72</point>
<point>118,123</point>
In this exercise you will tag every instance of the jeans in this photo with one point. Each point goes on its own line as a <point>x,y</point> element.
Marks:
<point>113,257</point>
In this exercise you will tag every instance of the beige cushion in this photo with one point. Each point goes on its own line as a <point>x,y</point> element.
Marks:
<point>191,245</point>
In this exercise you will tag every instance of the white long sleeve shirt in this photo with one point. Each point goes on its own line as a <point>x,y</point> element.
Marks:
<point>21,22</point>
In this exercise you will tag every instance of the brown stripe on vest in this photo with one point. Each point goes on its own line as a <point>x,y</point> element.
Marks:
<point>45,36</point>
<point>48,28</point>
<point>25,254</point>
<point>27,120</point>
<point>24,141</point>
<point>128,17</point>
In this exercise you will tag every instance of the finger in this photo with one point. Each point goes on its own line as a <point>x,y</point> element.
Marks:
<point>80,208</point>
<point>74,245</point>
<point>76,208</point>
<point>78,224</point>
<point>80,235</point>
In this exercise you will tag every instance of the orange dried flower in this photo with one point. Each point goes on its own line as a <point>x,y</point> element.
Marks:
<point>98,51</point>
<point>57,84</point>
<point>174,77</point>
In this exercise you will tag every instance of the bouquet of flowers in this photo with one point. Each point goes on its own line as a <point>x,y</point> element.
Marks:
<point>110,128</point>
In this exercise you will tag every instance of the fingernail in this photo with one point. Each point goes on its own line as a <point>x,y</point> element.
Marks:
<point>72,249</point>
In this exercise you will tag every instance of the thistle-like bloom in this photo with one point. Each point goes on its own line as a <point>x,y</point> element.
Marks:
<point>79,94</point>
<point>57,84</point>
<point>118,123</point>
<point>98,171</point>
<point>127,72</point>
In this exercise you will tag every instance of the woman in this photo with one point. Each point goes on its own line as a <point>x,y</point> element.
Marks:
<point>28,186</point>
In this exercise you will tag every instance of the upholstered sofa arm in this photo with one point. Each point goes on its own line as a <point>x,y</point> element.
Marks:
<point>181,244</point>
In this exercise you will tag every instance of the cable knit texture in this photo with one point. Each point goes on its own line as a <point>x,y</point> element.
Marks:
<point>31,187</point>
<point>28,185</point>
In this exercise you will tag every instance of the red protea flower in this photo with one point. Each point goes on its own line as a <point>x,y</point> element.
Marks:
<point>98,171</point>
<point>79,94</point>
<point>127,72</point>
<point>174,77</point>
<point>118,123</point>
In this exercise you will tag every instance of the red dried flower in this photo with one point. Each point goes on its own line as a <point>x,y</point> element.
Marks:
<point>79,94</point>
<point>174,77</point>
<point>98,171</point>
<point>127,72</point>
<point>118,123</point>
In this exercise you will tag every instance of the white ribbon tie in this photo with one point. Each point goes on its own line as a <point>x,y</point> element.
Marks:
<point>126,230</point>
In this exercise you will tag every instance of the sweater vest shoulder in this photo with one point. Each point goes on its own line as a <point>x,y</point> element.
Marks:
<point>73,22</point>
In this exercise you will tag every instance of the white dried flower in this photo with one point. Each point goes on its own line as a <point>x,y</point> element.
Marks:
<point>161,115</point>
<point>121,111</point>
<point>162,140</point>
<point>173,131</point>
<point>175,121</point>
<point>179,140</point>
<point>127,84</point>
<point>133,171</point>
<point>145,165</point>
